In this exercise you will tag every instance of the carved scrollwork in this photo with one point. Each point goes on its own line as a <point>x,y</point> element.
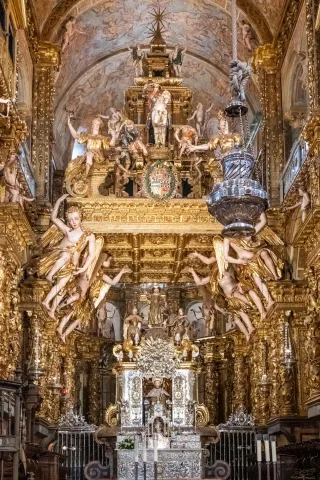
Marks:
<point>75,178</point>
<point>221,470</point>
<point>112,415</point>
<point>202,415</point>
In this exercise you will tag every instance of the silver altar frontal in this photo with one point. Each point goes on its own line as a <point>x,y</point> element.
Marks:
<point>182,459</point>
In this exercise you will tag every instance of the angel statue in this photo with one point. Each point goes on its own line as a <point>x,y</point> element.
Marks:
<point>132,325</point>
<point>237,302</point>
<point>64,247</point>
<point>115,122</point>
<point>87,292</point>
<point>259,263</point>
<point>95,144</point>
<point>137,56</point>
<point>157,303</point>
<point>158,100</point>
<point>225,140</point>
<point>95,279</point>
<point>304,203</point>
<point>187,136</point>
<point>200,118</point>
<point>12,183</point>
<point>176,58</point>
<point>239,75</point>
<point>245,292</point>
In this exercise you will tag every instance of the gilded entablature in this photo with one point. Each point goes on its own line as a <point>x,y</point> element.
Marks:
<point>115,215</point>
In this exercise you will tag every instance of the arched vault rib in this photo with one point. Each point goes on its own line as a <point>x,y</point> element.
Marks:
<point>66,7</point>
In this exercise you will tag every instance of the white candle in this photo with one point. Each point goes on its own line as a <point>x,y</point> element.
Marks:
<point>266,447</point>
<point>144,448</point>
<point>155,448</point>
<point>136,449</point>
<point>259,457</point>
<point>274,449</point>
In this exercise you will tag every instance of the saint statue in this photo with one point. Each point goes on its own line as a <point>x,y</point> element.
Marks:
<point>158,100</point>
<point>132,325</point>
<point>180,325</point>
<point>95,142</point>
<point>200,118</point>
<point>185,136</point>
<point>157,306</point>
<point>158,394</point>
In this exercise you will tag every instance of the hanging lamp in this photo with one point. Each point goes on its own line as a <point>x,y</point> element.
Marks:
<point>238,201</point>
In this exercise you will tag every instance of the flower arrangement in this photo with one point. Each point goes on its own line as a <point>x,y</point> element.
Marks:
<point>126,444</point>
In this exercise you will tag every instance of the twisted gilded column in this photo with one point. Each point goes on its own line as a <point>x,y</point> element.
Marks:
<point>95,393</point>
<point>211,391</point>
<point>45,69</point>
<point>240,385</point>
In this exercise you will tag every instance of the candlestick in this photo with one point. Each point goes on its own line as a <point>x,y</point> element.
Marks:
<point>144,470</point>
<point>155,470</point>
<point>266,447</point>
<point>259,454</point>
<point>136,470</point>
<point>273,448</point>
<point>136,449</point>
<point>144,448</point>
<point>155,448</point>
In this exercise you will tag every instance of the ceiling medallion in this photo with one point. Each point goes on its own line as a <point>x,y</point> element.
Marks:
<point>160,181</point>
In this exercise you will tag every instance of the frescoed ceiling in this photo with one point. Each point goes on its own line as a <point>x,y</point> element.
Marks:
<point>97,67</point>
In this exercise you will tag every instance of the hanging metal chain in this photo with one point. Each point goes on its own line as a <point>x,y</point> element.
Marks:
<point>234,30</point>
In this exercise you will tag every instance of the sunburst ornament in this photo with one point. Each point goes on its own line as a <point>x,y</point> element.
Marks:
<point>158,358</point>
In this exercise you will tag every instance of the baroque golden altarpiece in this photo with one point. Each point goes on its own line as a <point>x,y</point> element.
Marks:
<point>142,198</point>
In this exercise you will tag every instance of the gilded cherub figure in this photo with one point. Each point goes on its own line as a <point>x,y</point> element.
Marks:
<point>95,142</point>
<point>304,203</point>
<point>66,242</point>
<point>12,183</point>
<point>185,136</point>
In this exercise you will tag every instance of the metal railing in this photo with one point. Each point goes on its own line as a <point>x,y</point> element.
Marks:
<point>76,442</point>
<point>298,154</point>
<point>233,454</point>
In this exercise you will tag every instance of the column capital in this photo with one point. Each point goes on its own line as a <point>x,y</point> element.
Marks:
<point>266,57</point>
